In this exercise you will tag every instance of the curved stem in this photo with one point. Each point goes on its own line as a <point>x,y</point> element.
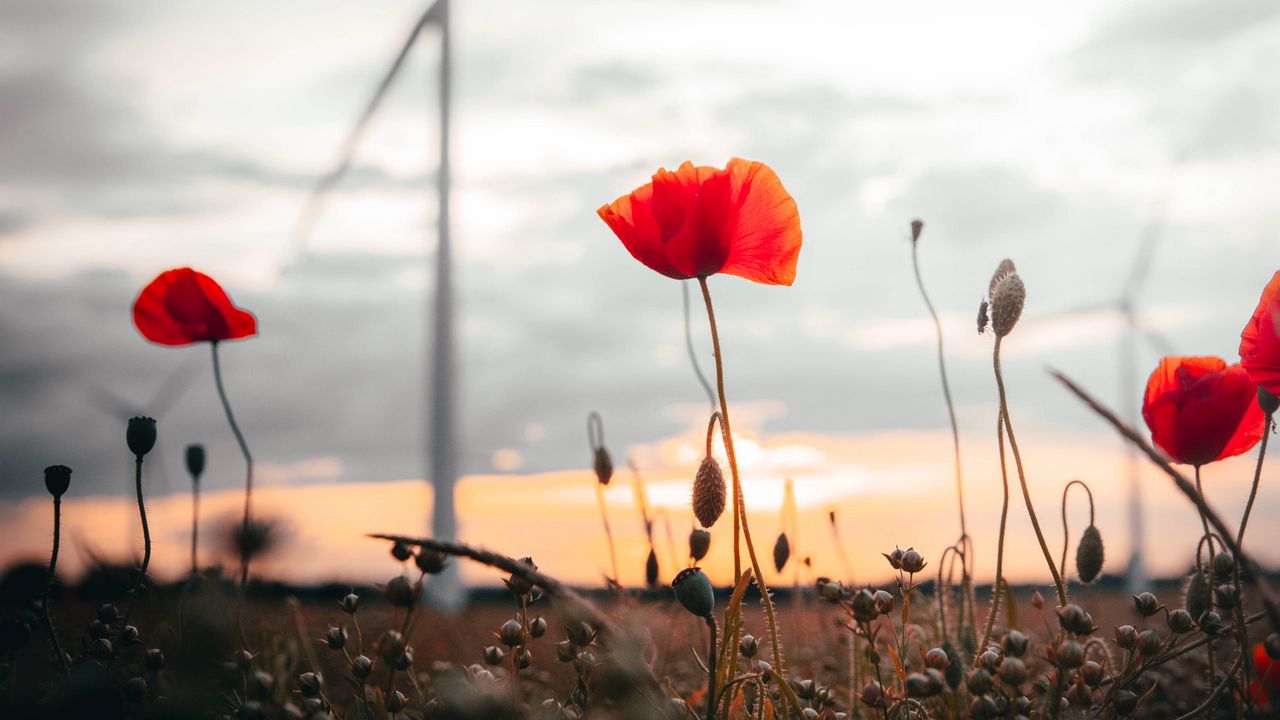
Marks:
<point>1022,479</point>
<point>608,533</point>
<point>195,524</point>
<point>1235,566</point>
<point>711,671</point>
<point>1065,537</point>
<point>740,515</point>
<point>248,459</point>
<point>1004,521</point>
<point>146,546</point>
<point>48,585</point>
<point>688,343</point>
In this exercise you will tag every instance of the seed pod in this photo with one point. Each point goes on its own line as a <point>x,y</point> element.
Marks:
<point>565,651</point>
<point>1092,673</point>
<point>693,590</point>
<point>141,435</point>
<point>309,684</point>
<point>1197,598</point>
<point>937,659</point>
<point>651,569</point>
<point>402,593</point>
<point>781,552</point>
<point>1146,604</point>
<point>1007,300</point>
<point>1181,622</point>
<point>336,638</point>
<point>1089,555</point>
<point>912,561</point>
<point>1013,671</point>
<point>400,551</point>
<point>1070,654</point>
<point>917,226</point>
<point>885,601</point>
<point>580,633</point>
<point>699,544</point>
<point>396,701</point>
<point>709,492</point>
<point>431,562</point>
<point>864,606</point>
<point>136,689</point>
<point>1223,565</point>
<point>350,603</point>
<point>537,627</point>
<point>154,659</point>
<point>978,681</point>
<point>361,666</point>
<point>872,695</point>
<point>57,479</point>
<point>511,633</point>
<point>494,655</point>
<point>894,558</point>
<point>108,614</point>
<point>1003,270</point>
<point>1126,637</point>
<point>517,584</point>
<point>195,461</point>
<point>603,466</point>
<point>1268,401</point>
<point>748,646</point>
<point>1015,643</point>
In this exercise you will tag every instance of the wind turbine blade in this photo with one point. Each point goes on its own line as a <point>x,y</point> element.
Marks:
<point>315,202</point>
<point>111,404</point>
<point>1158,342</point>
<point>1149,239</point>
<point>177,382</point>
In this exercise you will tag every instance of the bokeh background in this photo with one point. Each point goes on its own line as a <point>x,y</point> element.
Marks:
<point>139,136</point>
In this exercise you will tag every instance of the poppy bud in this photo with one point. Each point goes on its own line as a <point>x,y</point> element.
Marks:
<point>912,561</point>
<point>195,461</point>
<point>1089,555</point>
<point>781,552</point>
<point>309,684</point>
<point>894,558</point>
<point>1015,643</point>
<point>603,466</point>
<point>699,544</point>
<point>396,701</point>
<point>431,562</point>
<point>885,601</point>
<point>57,479</point>
<point>141,435</point>
<point>748,646</point>
<point>1268,401</point>
<point>336,638</point>
<point>709,492</point>
<point>350,603</point>
<point>917,225</point>
<point>1003,270</point>
<point>983,320</point>
<point>1197,598</point>
<point>402,593</point>
<point>1069,654</point>
<point>1181,622</point>
<point>1013,671</point>
<point>693,590</point>
<point>494,655</point>
<point>400,551</point>
<point>537,627</point>
<point>1223,565</point>
<point>1126,637</point>
<point>937,659</point>
<point>1146,604</point>
<point>1007,300</point>
<point>651,569</point>
<point>361,666</point>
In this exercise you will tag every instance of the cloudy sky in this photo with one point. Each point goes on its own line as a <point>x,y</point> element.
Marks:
<point>139,136</point>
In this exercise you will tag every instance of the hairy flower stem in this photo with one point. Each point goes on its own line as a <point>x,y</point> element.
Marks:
<point>740,513</point>
<point>1235,567</point>
<point>1065,536</point>
<point>711,669</point>
<point>608,532</point>
<point>146,546</point>
<point>48,585</point>
<point>195,524</point>
<point>996,591</point>
<point>1022,479</point>
<point>244,450</point>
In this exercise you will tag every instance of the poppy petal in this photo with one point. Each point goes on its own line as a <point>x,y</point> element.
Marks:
<point>1260,339</point>
<point>765,243</point>
<point>692,207</point>
<point>631,219</point>
<point>183,306</point>
<point>1200,410</point>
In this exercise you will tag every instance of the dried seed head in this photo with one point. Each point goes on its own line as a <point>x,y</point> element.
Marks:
<point>580,633</point>
<point>1225,596</point>
<point>1126,637</point>
<point>1003,270</point>
<point>1268,401</point>
<point>361,666</point>
<point>912,561</point>
<point>400,551</point>
<point>1013,671</point>
<point>401,592</point>
<point>937,659</point>
<point>309,684</point>
<point>894,558</point>
<point>195,461</point>
<point>396,701</point>
<point>1146,604</point>
<point>693,590</point>
<point>1149,641</point>
<point>1015,643</point>
<point>57,479</point>
<point>1069,654</point>
<point>537,627</point>
<point>884,600</point>
<point>390,645</point>
<point>511,633</point>
<point>1092,673</point>
<point>565,651</point>
<point>748,646</point>
<point>603,466</point>
<point>1272,646</point>
<point>1073,618</point>
<point>1007,300</point>
<point>129,635</point>
<point>1197,597</point>
<point>1181,622</point>
<point>136,689</point>
<point>336,638</point>
<point>1089,555</point>
<point>1211,623</point>
<point>709,492</point>
<point>699,544</point>
<point>431,562</point>
<point>921,685</point>
<point>494,655</point>
<point>154,659</point>
<point>350,603</point>
<point>864,606</point>
<point>781,552</point>
<point>141,435</point>
<point>1223,565</point>
<point>872,695</point>
<point>916,227</point>
<point>517,584</point>
<point>651,569</point>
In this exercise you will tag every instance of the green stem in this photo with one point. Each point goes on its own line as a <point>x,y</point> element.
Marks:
<point>740,515</point>
<point>1235,566</point>
<point>1022,479</point>
<point>1004,521</point>
<point>146,547</point>
<point>244,450</point>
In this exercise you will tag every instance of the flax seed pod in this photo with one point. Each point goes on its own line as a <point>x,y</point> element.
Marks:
<point>1089,555</point>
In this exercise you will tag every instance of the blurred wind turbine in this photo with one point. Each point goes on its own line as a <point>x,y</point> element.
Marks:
<point>1125,306</point>
<point>442,448</point>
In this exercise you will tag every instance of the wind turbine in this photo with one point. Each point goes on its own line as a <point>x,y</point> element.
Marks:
<point>442,450</point>
<point>1125,305</point>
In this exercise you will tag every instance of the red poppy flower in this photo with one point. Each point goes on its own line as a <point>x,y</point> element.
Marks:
<point>1266,684</point>
<point>1200,410</point>
<point>183,306</point>
<point>1260,341</point>
<point>698,221</point>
